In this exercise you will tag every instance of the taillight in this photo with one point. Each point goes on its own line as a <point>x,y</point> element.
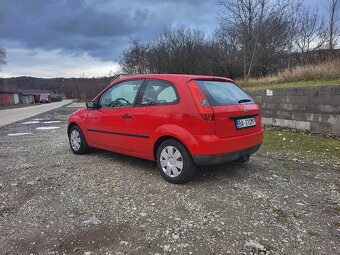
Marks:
<point>201,101</point>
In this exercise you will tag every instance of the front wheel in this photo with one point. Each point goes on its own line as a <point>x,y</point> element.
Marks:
<point>77,141</point>
<point>174,162</point>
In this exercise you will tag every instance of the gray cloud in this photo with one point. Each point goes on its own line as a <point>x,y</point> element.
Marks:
<point>100,28</point>
<point>41,35</point>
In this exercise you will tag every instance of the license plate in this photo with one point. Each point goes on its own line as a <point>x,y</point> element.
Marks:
<point>243,123</point>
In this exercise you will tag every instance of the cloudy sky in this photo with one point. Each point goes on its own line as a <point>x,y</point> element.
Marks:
<point>72,38</point>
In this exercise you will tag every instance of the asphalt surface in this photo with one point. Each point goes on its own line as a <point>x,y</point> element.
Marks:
<point>9,116</point>
<point>55,202</point>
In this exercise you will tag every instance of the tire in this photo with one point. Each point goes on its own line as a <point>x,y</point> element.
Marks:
<point>77,141</point>
<point>175,162</point>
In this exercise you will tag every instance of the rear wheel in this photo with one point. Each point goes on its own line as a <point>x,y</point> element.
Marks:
<point>77,141</point>
<point>174,162</point>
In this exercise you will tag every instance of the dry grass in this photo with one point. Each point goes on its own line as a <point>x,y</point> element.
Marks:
<point>323,74</point>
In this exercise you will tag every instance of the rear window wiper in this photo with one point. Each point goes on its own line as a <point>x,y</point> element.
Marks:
<point>244,100</point>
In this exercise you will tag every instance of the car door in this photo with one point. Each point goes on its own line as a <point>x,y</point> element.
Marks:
<point>110,125</point>
<point>157,105</point>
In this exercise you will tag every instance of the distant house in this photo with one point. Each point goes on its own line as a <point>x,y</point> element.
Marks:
<point>13,97</point>
<point>10,98</point>
<point>35,93</point>
<point>28,99</point>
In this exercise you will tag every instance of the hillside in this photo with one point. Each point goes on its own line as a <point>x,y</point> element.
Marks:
<point>82,88</point>
<point>327,73</point>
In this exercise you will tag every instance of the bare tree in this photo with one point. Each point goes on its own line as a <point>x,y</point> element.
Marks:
<point>246,15</point>
<point>293,11</point>
<point>272,44</point>
<point>230,59</point>
<point>333,25</point>
<point>2,57</point>
<point>2,62</point>
<point>254,21</point>
<point>177,50</point>
<point>253,38</point>
<point>309,33</point>
<point>133,60</point>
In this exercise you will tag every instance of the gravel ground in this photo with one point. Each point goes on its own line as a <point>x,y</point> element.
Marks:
<point>55,202</point>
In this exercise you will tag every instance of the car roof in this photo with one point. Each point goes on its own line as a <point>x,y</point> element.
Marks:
<point>174,77</point>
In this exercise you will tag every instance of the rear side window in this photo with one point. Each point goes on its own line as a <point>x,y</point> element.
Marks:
<point>223,93</point>
<point>158,92</point>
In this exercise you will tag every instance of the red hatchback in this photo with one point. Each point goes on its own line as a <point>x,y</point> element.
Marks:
<point>178,120</point>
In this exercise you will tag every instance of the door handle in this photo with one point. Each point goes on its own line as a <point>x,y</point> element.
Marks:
<point>126,116</point>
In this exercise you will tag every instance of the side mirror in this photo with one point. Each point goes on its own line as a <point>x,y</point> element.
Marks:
<point>90,105</point>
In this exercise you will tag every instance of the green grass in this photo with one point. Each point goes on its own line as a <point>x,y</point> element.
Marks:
<point>303,143</point>
<point>336,224</point>
<point>333,209</point>
<point>312,83</point>
<point>16,106</point>
<point>279,214</point>
<point>266,245</point>
<point>313,232</point>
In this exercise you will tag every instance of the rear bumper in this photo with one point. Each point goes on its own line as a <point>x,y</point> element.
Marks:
<point>213,159</point>
<point>214,150</point>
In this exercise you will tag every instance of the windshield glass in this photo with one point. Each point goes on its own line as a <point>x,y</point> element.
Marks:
<point>223,93</point>
<point>44,97</point>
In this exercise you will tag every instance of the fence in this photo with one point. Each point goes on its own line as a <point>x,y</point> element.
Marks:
<point>308,108</point>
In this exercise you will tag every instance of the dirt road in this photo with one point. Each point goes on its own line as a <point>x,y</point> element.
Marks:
<point>9,116</point>
<point>55,202</point>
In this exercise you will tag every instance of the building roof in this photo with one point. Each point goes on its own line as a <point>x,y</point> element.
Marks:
<point>33,91</point>
<point>8,90</point>
<point>23,91</point>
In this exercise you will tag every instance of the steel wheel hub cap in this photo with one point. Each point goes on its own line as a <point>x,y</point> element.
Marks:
<point>171,161</point>
<point>75,140</point>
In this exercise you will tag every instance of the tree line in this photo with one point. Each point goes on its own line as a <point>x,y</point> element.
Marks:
<point>2,62</point>
<point>80,88</point>
<point>253,38</point>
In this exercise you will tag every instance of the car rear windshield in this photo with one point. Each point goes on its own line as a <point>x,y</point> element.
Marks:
<point>223,93</point>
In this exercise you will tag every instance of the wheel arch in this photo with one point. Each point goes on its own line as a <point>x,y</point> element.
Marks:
<point>72,124</point>
<point>176,133</point>
<point>162,139</point>
<point>76,121</point>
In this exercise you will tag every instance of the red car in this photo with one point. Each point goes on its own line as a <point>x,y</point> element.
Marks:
<point>45,98</point>
<point>180,121</point>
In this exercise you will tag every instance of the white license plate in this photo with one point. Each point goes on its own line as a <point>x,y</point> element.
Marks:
<point>243,123</point>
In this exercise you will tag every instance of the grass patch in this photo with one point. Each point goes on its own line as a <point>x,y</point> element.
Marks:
<point>279,214</point>
<point>313,233</point>
<point>333,209</point>
<point>16,106</point>
<point>309,75</point>
<point>336,224</point>
<point>302,143</point>
<point>311,83</point>
<point>297,216</point>
<point>266,245</point>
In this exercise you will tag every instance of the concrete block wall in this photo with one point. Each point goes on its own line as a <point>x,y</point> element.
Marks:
<point>307,108</point>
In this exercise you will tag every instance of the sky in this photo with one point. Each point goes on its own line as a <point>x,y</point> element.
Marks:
<point>85,38</point>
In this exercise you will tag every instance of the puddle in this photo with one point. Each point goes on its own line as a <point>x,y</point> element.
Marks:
<point>18,134</point>
<point>52,121</point>
<point>30,122</point>
<point>47,128</point>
